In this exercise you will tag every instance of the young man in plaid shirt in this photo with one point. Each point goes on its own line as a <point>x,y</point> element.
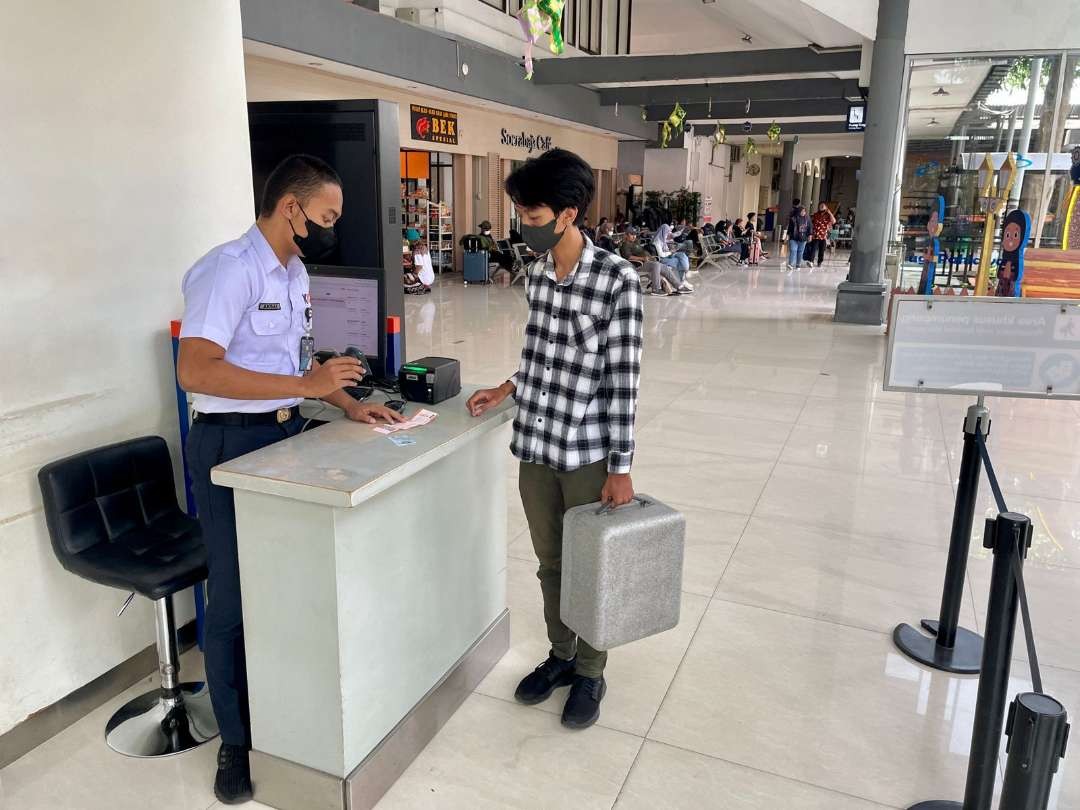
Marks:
<point>577,390</point>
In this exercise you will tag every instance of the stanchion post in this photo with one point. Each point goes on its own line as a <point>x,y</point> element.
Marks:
<point>952,648</point>
<point>1009,535</point>
<point>1038,731</point>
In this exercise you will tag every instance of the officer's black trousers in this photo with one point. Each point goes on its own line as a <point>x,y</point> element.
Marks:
<point>226,674</point>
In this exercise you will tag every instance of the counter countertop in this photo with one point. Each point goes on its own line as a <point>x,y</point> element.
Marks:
<point>345,463</point>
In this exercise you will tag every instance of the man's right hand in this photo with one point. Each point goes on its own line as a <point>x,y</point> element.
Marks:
<point>333,375</point>
<point>488,398</point>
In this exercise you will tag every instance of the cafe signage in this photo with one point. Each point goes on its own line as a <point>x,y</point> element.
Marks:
<point>530,142</point>
<point>435,126</point>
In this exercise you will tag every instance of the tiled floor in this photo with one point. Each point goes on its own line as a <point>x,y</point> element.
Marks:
<point>818,509</point>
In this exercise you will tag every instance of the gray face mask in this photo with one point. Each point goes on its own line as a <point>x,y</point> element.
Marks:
<point>541,238</point>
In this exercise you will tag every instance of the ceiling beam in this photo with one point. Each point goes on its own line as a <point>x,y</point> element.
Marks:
<point>732,91</point>
<point>673,67</point>
<point>735,132</point>
<point>351,35</point>
<point>761,109</point>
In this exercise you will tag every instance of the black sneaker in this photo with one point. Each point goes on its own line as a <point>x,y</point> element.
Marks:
<point>583,705</point>
<point>233,782</point>
<point>537,686</point>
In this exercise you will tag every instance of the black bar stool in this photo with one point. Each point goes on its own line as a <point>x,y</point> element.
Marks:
<point>114,520</point>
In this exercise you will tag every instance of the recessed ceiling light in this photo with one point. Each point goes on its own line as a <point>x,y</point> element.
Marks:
<point>941,91</point>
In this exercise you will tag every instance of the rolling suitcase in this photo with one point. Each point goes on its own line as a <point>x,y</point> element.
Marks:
<point>622,571</point>
<point>475,267</point>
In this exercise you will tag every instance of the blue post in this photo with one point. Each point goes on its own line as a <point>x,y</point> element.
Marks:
<point>185,425</point>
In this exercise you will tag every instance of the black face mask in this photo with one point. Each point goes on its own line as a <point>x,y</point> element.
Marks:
<point>319,240</point>
<point>541,238</point>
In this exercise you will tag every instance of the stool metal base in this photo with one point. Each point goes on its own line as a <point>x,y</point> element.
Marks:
<point>152,725</point>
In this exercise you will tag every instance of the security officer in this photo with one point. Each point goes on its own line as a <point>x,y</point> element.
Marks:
<point>246,354</point>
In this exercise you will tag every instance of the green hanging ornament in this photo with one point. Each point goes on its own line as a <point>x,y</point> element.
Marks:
<point>672,125</point>
<point>751,147</point>
<point>539,17</point>
<point>774,132</point>
<point>719,136</point>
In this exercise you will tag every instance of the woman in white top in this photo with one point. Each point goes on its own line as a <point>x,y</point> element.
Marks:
<point>676,260</point>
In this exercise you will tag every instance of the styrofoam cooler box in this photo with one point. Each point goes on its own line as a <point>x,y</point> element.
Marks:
<point>622,571</point>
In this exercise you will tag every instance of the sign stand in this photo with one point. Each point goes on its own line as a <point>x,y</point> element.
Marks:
<point>949,647</point>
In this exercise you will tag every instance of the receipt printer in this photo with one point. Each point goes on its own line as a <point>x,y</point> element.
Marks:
<point>430,380</point>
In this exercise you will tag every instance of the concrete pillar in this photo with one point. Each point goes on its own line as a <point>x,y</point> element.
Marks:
<point>787,184</point>
<point>815,191</point>
<point>1025,133</point>
<point>807,183</point>
<point>861,299</point>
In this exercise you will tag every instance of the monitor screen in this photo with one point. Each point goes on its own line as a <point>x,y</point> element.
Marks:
<point>345,312</point>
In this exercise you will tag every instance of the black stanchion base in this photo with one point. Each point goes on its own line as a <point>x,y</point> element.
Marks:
<point>937,805</point>
<point>965,658</point>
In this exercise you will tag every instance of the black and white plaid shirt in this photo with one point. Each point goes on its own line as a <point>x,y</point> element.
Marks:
<point>577,386</point>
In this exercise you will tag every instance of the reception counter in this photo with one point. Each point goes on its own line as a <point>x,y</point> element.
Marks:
<point>374,590</point>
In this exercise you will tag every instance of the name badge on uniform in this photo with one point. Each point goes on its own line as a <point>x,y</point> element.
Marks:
<point>269,307</point>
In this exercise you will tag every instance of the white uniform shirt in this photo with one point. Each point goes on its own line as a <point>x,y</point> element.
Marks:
<point>240,297</point>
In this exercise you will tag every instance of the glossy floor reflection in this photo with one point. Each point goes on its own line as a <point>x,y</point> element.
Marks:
<point>818,511</point>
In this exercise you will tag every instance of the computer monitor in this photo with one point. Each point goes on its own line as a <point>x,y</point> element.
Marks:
<point>346,305</point>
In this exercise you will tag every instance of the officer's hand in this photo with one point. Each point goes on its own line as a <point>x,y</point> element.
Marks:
<point>370,414</point>
<point>333,375</point>
<point>488,398</point>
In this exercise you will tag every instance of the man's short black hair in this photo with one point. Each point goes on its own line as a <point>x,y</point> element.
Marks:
<point>796,202</point>
<point>302,175</point>
<point>558,179</point>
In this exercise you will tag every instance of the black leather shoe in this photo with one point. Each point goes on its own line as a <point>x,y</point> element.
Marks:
<point>538,685</point>
<point>583,705</point>
<point>233,782</point>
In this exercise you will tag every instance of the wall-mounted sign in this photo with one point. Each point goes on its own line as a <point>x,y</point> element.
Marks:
<point>526,141</point>
<point>435,126</point>
<point>856,117</point>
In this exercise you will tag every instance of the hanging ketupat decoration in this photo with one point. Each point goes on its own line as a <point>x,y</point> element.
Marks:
<point>774,132</point>
<point>720,135</point>
<point>672,125</point>
<point>539,17</point>
<point>751,147</point>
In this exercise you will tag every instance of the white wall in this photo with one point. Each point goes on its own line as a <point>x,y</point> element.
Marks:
<point>992,25</point>
<point>712,176</point>
<point>125,131</point>
<point>666,169</point>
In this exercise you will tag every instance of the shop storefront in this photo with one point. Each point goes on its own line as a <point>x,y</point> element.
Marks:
<point>454,156</point>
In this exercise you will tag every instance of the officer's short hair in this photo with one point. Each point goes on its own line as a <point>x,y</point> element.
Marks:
<point>302,175</point>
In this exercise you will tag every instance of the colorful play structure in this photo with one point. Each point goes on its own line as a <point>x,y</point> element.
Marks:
<point>1053,273</point>
<point>965,269</point>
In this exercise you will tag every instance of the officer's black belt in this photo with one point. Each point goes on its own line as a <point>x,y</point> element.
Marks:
<point>278,417</point>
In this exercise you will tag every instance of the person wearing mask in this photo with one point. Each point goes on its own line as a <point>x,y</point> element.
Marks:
<point>821,224</point>
<point>662,279</point>
<point>587,229</point>
<point>246,355</point>
<point>798,231</point>
<point>576,389</point>
<point>677,260</point>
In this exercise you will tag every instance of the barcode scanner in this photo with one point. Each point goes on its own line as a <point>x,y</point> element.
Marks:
<point>352,351</point>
